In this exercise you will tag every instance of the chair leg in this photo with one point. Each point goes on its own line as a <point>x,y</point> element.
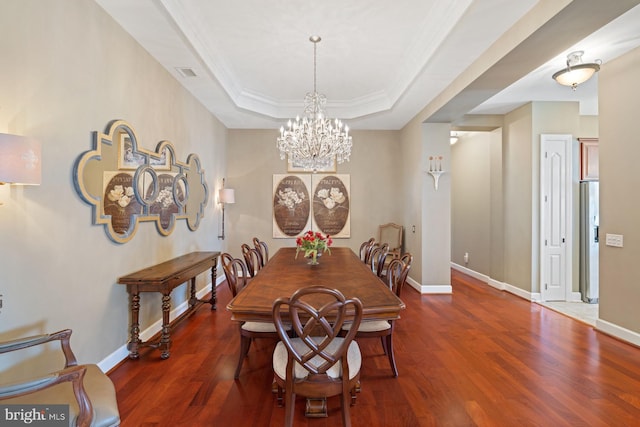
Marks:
<point>384,344</point>
<point>245,343</point>
<point>289,404</point>
<point>279,396</point>
<point>392,359</point>
<point>346,403</point>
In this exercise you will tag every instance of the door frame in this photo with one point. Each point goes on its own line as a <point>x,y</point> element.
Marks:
<point>569,209</point>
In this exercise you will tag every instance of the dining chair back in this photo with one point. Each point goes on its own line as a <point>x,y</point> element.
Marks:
<point>365,248</point>
<point>391,234</point>
<point>378,258</point>
<point>318,362</point>
<point>252,259</point>
<point>262,249</point>
<point>235,272</point>
<point>397,272</point>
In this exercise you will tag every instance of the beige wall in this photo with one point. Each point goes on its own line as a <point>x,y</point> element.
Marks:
<point>375,171</point>
<point>67,70</point>
<point>509,159</point>
<point>517,162</point>
<point>471,200</point>
<point>619,103</point>
<point>410,175</point>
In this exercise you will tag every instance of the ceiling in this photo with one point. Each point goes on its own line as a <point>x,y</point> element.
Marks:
<point>379,63</point>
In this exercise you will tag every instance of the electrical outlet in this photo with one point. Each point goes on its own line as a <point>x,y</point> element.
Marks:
<point>614,240</point>
<point>466,257</point>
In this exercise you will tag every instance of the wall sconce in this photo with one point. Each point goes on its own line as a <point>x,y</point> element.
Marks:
<point>576,72</point>
<point>225,195</point>
<point>19,160</point>
<point>435,169</point>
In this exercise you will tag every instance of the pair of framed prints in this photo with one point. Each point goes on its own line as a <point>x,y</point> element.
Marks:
<point>319,202</point>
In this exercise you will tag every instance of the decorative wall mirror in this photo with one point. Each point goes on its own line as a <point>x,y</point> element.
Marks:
<point>126,184</point>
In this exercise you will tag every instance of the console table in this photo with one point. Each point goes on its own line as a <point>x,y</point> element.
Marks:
<point>164,278</point>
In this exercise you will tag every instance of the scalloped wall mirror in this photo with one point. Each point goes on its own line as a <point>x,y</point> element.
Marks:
<point>126,184</point>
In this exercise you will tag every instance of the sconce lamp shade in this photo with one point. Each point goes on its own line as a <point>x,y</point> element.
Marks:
<point>19,160</point>
<point>226,195</point>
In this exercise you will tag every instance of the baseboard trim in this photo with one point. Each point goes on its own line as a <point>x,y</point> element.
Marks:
<point>618,332</point>
<point>429,289</point>
<point>530,296</point>
<point>122,353</point>
<point>603,326</point>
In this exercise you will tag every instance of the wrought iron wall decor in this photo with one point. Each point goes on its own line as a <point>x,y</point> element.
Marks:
<point>126,184</point>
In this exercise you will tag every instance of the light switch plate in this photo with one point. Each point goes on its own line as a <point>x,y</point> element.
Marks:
<point>614,240</point>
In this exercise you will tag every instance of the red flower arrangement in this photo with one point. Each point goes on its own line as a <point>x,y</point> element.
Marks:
<point>312,244</point>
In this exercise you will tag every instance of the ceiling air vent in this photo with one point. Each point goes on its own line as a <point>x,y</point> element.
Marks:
<point>186,72</point>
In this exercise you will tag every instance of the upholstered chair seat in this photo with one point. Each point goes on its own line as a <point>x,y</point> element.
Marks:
<point>354,359</point>
<point>370,326</point>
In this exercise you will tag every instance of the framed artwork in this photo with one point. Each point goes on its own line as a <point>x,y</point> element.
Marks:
<point>130,158</point>
<point>120,202</point>
<point>291,205</point>
<point>127,185</point>
<point>166,202</point>
<point>329,168</point>
<point>331,203</point>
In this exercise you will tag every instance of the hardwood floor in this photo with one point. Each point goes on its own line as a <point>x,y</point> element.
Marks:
<point>476,357</point>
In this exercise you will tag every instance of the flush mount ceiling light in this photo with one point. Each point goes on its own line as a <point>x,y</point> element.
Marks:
<point>576,72</point>
<point>314,141</point>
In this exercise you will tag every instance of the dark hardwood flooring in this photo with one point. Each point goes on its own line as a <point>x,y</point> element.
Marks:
<point>477,357</point>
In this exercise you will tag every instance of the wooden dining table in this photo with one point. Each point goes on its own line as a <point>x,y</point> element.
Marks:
<point>341,269</point>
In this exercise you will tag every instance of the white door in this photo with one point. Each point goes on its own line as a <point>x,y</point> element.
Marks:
<point>555,205</point>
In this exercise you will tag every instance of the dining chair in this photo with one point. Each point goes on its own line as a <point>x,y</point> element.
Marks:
<point>252,258</point>
<point>235,272</point>
<point>88,394</point>
<point>263,250</point>
<point>378,258</point>
<point>397,272</point>
<point>317,363</point>
<point>407,258</point>
<point>365,247</point>
<point>391,234</point>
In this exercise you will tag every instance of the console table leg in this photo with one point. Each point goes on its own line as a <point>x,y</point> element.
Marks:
<point>192,297</point>
<point>135,326</point>
<point>165,339</point>
<point>214,297</point>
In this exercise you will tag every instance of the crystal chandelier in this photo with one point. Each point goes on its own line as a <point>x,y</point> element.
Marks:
<point>314,142</point>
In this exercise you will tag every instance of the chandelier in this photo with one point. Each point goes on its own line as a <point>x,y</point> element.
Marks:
<point>314,142</point>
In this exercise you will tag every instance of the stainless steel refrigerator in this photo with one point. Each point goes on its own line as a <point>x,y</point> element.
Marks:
<point>589,258</point>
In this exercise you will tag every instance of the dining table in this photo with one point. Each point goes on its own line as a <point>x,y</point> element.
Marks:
<point>288,270</point>
<point>339,269</point>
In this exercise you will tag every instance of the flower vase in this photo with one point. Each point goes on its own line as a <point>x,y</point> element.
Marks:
<point>314,259</point>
